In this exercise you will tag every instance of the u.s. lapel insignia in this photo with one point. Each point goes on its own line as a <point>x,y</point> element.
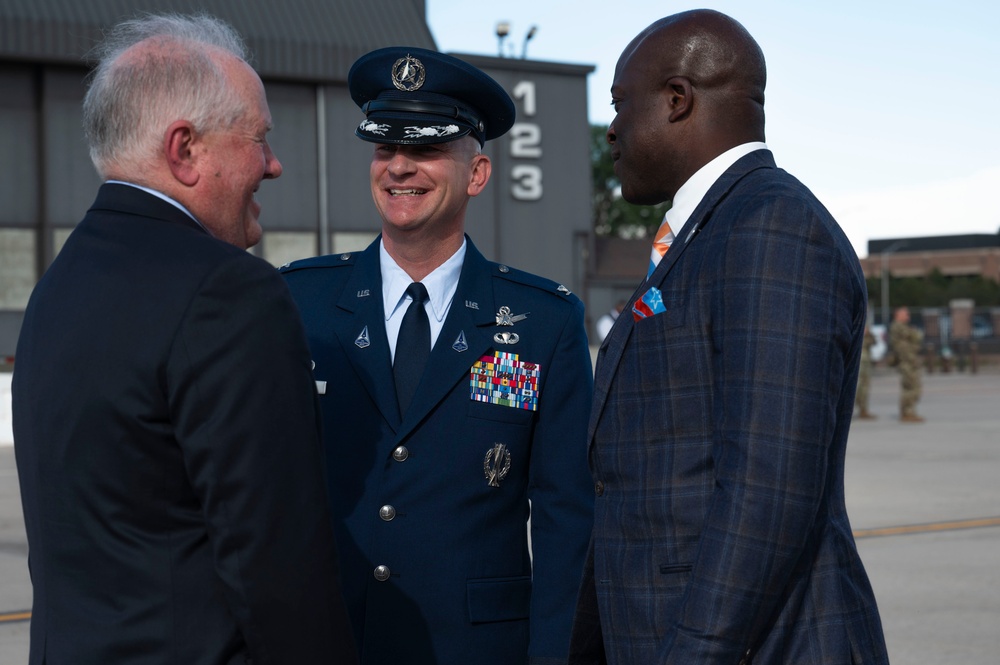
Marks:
<point>505,318</point>
<point>460,343</point>
<point>363,341</point>
<point>496,465</point>
<point>506,338</point>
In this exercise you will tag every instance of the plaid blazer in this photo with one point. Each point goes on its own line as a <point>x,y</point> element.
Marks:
<point>717,443</point>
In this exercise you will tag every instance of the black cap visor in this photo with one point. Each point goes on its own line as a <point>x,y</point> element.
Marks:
<point>416,123</point>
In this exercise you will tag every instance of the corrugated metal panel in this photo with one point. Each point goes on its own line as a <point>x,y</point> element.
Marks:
<point>312,40</point>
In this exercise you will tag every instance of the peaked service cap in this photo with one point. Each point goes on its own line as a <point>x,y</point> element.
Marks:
<point>415,96</point>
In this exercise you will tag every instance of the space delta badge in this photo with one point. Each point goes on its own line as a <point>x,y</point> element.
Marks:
<point>363,341</point>
<point>504,380</point>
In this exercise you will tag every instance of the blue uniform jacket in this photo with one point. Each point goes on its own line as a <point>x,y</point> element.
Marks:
<point>435,557</point>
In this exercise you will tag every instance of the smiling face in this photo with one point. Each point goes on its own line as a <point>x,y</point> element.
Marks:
<point>234,162</point>
<point>423,190</point>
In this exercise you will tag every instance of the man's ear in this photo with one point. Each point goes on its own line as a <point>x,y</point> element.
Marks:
<point>178,145</point>
<point>482,167</point>
<point>680,97</point>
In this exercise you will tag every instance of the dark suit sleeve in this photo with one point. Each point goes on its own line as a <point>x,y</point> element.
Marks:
<point>561,492</point>
<point>786,313</point>
<point>245,415</point>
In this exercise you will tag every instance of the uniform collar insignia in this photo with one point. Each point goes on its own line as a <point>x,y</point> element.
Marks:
<point>363,340</point>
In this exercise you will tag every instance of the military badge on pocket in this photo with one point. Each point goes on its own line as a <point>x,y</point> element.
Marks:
<point>504,380</point>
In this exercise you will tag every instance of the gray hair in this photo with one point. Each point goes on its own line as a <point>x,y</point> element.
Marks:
<point>131,100</point>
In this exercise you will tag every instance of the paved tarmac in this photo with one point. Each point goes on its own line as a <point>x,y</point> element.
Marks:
<point>924,500</point>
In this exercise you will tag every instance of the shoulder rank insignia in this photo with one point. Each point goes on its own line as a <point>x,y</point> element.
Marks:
<point>505,318</point>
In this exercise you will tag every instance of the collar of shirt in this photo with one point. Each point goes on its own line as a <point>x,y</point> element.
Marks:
<point>441,285</point>
<point>161,195</point>
<point>693,191</point>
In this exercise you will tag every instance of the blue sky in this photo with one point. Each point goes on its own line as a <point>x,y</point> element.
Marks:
<point>888,111</point>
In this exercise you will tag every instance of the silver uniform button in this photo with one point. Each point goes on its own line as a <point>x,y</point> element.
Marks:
<point>387,513</point>
<point>382,573</point>
<point>503,269</point>
<point>400,454</point>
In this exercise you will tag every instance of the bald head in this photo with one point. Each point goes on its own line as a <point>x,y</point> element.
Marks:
<point>715,53</point>
<point>688,87</point>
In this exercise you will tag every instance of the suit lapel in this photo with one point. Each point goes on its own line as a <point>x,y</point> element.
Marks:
<point>361,329</point>
<point>611,351</point>
<point>465,337</point>
<point>610,354</point>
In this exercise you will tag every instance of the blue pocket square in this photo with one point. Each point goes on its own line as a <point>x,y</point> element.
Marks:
<point>649,304</point>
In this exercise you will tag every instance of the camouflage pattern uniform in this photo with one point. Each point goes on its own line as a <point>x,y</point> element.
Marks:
<point>865,377</point>
<point>905,341</point>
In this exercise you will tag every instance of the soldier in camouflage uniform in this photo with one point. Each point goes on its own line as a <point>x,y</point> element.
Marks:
<point>865,377</point>
<point>905,341</point>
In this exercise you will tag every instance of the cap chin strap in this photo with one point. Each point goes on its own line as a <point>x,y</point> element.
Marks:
<point>424,107</point>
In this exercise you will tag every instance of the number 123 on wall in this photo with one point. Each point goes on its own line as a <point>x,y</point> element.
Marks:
<point>526,143</point>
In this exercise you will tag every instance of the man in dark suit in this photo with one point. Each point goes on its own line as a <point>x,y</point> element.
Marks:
<point>723,399</point>
<point>460,409</point>
<point>166,426</point>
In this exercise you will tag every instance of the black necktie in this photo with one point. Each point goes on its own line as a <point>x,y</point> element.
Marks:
<point>412,346</point>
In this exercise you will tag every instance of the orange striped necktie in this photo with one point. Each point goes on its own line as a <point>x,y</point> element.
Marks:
<point>661,243</point>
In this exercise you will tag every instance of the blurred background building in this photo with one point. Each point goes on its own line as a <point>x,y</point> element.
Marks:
<point>553,206</point>
<point>951,284</point>
<point>535,215</point>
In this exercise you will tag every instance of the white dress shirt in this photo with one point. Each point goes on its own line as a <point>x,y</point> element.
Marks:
<point>441,286</point>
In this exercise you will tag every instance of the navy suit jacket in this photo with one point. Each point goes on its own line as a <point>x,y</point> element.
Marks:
<point>411,493</point>
<point>717,443</point>
<point>167,439</point>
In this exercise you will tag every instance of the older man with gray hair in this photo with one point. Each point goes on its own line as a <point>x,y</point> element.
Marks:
<point>165,418</point>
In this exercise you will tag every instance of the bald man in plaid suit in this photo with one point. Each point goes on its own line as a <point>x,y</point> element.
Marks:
<point>723,398</point>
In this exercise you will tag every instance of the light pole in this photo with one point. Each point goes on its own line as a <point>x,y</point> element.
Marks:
<point>503,29</point>
<point>885,278</point>
<point>527,38</point>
